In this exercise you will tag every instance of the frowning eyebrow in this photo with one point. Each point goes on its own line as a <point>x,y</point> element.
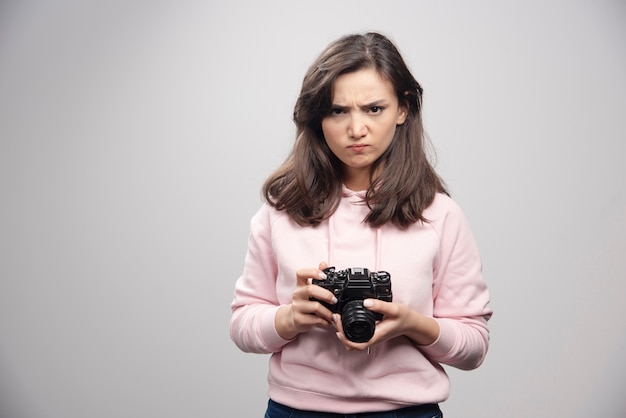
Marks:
<point>375,103</point>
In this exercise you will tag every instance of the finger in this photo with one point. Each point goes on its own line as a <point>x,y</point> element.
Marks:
<point>321,294</point>
<point>303,276</point>
<point>340,335</point>
<point>349,345</point>
<point>337,322</point>
<point>310,312</point>
<point>323,265</point>
<point>309,320</point>
<point>323,313</point>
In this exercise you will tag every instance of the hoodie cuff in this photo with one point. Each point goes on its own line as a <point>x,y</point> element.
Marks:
<point>273,341</point>
<point>443,346</point>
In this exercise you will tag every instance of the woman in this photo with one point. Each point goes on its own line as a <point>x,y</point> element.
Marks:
<point>358,193</point>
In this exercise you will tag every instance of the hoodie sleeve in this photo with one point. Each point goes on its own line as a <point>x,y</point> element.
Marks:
<point>460,295</point>
<point>255,302</point>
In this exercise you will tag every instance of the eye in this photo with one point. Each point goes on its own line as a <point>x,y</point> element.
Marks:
<point>337,111</point>
<point>376,109</point>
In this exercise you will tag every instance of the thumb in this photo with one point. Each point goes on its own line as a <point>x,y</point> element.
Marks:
<point>375,305</point>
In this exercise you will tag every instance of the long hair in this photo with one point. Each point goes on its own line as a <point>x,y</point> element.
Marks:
<point>308,185</point>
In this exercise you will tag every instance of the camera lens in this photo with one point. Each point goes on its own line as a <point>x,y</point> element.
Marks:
<point>358,323</point>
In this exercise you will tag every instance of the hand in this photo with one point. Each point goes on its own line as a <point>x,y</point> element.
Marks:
<point>398,319</point>
<point>303,313</point>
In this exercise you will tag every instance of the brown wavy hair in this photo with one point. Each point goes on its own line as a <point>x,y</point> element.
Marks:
<point>308,185</point>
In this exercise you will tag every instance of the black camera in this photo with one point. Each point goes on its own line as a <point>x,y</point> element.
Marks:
<point>351,287</point>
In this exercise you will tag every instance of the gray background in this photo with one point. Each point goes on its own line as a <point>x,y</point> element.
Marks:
<point>134,138</point>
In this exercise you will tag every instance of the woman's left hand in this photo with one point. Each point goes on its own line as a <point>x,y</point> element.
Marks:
<point>398,319</point>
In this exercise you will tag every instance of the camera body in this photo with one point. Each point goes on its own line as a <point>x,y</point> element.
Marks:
<point>351,286</point>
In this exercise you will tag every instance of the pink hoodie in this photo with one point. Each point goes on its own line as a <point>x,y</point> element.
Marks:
<point>435,269</point>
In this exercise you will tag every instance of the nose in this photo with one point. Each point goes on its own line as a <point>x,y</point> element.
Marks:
<point>357,128</point>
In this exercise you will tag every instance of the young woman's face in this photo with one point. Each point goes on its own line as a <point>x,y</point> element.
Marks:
<point>363,119</point>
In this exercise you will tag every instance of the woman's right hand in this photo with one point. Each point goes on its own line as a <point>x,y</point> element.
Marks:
<point>303,313</point>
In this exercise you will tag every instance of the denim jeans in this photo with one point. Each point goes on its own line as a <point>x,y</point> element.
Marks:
<point>276,410</point>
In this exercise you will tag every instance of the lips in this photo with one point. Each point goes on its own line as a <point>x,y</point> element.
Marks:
<point>357,147</point>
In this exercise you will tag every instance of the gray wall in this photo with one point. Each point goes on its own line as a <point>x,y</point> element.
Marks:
<point>134,138</point>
